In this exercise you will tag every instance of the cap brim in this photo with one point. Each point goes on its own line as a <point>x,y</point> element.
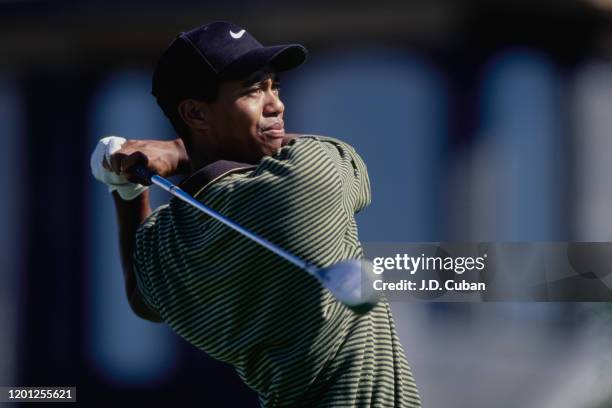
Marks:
<point>278,58</point>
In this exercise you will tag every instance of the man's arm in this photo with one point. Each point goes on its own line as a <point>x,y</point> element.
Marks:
<point>166,158</point>
<point>130,214</point>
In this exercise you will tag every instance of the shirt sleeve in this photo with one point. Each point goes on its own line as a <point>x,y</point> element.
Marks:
<point>145,248</point>
<point>233,298</point>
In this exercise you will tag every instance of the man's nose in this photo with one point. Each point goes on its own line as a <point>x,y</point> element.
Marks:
<point>274,106</point>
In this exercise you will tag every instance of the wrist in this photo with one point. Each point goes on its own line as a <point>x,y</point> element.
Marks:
<point>105,148</point>
<point>128,191</point>
<point>138,208</point>
<point>183,163</point>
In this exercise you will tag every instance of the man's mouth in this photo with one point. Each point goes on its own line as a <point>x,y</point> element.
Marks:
<point>276,130</point>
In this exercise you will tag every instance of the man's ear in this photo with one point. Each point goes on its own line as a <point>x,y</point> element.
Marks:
<point>194,113</point>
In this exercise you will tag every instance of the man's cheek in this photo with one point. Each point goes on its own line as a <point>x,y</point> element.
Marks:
<point>246,121</point>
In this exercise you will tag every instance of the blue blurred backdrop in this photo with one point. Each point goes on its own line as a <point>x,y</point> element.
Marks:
<point>478,120</point>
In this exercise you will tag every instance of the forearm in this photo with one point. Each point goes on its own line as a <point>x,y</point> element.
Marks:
<point>114,162</point>
<point>130,214</point>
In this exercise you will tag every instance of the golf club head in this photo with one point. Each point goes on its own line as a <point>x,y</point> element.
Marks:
<point>351,282</point>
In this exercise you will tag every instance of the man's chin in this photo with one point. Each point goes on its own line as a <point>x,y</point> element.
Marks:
<point>271,145</point>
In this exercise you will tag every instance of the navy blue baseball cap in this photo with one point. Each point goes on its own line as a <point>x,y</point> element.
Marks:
<point>215,52</point>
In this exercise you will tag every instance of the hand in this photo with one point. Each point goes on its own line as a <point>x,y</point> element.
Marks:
<point>115,159</point>
<point>166,158</point>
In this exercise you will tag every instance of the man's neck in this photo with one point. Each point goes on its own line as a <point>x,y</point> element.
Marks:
<point>202,153</point>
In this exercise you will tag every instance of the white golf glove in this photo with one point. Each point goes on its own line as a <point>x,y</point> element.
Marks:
<point>103,151</point>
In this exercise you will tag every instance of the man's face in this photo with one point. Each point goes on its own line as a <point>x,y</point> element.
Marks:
<point>246,120</point>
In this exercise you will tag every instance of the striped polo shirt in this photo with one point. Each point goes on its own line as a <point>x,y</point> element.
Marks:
<point>288,338</point>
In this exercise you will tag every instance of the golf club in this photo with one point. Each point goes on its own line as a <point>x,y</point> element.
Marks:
<point>349,281</point>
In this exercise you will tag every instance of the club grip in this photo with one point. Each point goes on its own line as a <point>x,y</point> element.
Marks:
<point>144,173</point>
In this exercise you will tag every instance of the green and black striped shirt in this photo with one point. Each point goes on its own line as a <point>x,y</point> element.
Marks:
<point>289,339</point>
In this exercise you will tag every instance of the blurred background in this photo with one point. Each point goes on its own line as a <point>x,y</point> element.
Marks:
<point>478,120</point>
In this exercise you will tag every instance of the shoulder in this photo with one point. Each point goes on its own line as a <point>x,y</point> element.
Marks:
<point>326,144</point>
<point>304,159</point>
<point>312,157</point>
<point>314,166</point>
<point>345,159</point>
<point>335,149</point>
<point>311,152</point>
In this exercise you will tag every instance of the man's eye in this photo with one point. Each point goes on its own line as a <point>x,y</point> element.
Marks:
<point>254,91</point>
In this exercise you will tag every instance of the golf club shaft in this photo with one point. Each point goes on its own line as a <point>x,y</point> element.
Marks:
<point>182,195</point>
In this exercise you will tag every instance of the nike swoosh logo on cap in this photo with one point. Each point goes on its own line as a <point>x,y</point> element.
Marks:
<point>236,35</point>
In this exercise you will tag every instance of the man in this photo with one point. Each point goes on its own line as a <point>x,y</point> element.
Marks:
<point>285,334</point>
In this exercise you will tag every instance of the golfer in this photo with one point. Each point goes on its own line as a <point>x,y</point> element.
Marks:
<point>289,339</point>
